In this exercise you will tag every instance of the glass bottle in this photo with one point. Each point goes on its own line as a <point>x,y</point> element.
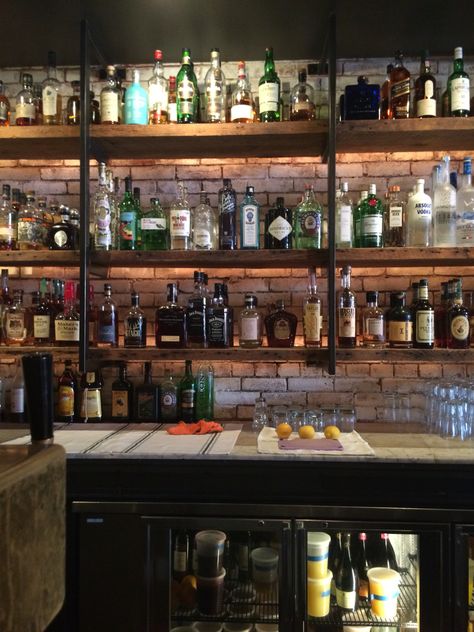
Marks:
<point>107,320</point>
<point>373,322</point>
<point>25,111</point>
<point>205,225</point>
<point>419,215</point>
<point>312,314</point>
<point>102,213</point>
<point>279,233</point>
<point>458,334</point>
<point>302,106</point>
<point>358,218</point>
<point>66,323</point>
<point>30,225</point>
<point>249,221</point>
<point>395,218</point>
<point>135,324</point>
<point>172,105</point>
<point>168,399</point>
<point>387,557</point>
<point>425,89</point>
<point>371,220</point>
<point>180,555</point>
<point>444,208</point>
<point>196,313</point>
<point>41,317</point>
<point>73,105</point>
<point>8,221</point>
<point>180,221</point>
<point>158,92</point>
<point>243,107</point>
<point>227,205</point>
<point>205,392</point>
<point>94,112</point>
<point>17,396</point>
<point>122,396</point>
<point>170,322</point>
<point>215,87</point>
<point>280,326</point>
<point>187,395</point>
<point>51,94</point>
<point>4,107</point>
<point>458,88</point>
<point>440,317</point>
<point>136,102</point>
<point>217,320</point>
<point>465,207</point>
<point>424,319</point>
<point>250,324</point>
<point>67,395</point>
<point>15,321</point>
<point>307,220</point>
<point>61,235</point>
<point>187,91</point>
<point>347,579</point>
<point>91,402</point>
<point>346,311</point>
<point>230,315</point>
<point>38,102</point>
<point>344,218</point>
<point>110,99</point>
<point>399,89</point>
<point>385,111</point>
<point>147,398</point>
<point>128,219</point>
<point>399,322</point>
<point>269,90</point>
<point>362,568</point>
<point>155,233</point>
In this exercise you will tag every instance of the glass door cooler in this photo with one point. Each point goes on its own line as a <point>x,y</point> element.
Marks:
<point>463,575</point>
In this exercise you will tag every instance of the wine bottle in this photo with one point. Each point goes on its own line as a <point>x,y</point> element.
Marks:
<point>388,557</point>
<point>362,568</point>
<point>180,555</point>
<point>347,579</point>
<point>335,556</point>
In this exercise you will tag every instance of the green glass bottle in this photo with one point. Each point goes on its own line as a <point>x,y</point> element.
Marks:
<point>269,90</point>
<point>187,91</point>
<point>371,221</point>
<point>458,87</point>
<point>155,227</point>
<point>307,221</point>
<point>205,392</point>
<point>128,219</point>
<point>187,395</point>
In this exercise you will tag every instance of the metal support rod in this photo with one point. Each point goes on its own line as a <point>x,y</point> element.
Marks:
<point>332,197</point>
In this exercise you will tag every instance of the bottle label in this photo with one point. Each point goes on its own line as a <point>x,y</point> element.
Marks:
<point>312,322</point>
<point>425,326</point>
<point>91,406</point>
<point>133,329</point>
<point>400,88</point>
<point>109,107</point>
<point>41,326</point>
<point>60,238</point>
<point>66,330</point>
<point>345,226</point>
<point>50,101</point>
<point>153,223</point>
<point>375,327</point>
<point>241,111</point>
<point>17,400</point>
<point>66,401</point>
<point>427,106</point>
<point>172,112</point>
<point>187,399</point>
<point>249,328</point>
<point>120,404</point>
<point>460,327</point>
<point>310,223</point>
<point>216,329</point>
<point>395,216</point>
<point>346,599</point>
<point>281,329</point>
<point>168,400</point>
<point>372,225</point>
<point>103,234</point>
<point>30,230</point>
<point>347,322</point>
<point>186,92</point>
<point>4,114</point>
<point>128,226</point>
<point>7,234</point>
<point>400,331</point>
<point>269,97</point>
<point>460,94</point>
<point>280,228</point>
<point>25,111</point>
<point>180,223</point>
<point>146,405</point>
<point>15,326</point>
<point>165,338</point>
<point>106,333</point>
<point>157,97</point>
<point>202,238</point>
<point>249,228</point>
<point>180,561</point>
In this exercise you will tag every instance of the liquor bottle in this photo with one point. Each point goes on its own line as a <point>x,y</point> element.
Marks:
<point>425,89</point>
<point>458,334</point>
<point>373,322</point>
<point>172,105</point>
<point>25,111</point>
<point>358,218</point>
<point>155,233</point>
<point>334,559</point>
<point>302,106</point>
<point>168,399</point>
<point>73,105</point>
<point>4,107</point>
<point>230,316</point>
<point>205,392</point>
<point>17,396</point>
<point>458,87</point>
<point>399,89</point>
<point>362,568</point>
<point>440,317</point>
<point>344,218</point>
<point>110,99</point>
<point>347,579</point>
<point>187,91</point>
<point>269,91</point>
<point>122,396</point>
<point>41,317</point>
<point>51,94</point>
<point>444,208</point>
<point>280,327</point>
<point>61,235</point>
<point>465,207</point>
<point>279,233</point>
<point>147,398</point>
<point>180,221</point>
<point>419,214</point>
<point>66,323</point>
<point>205,225</point>
<point>215,88</point>
<point>312,315</point>
<point>94,112</point>
<point>135,325</point>
<point>400,322</point>
<point>227,205</point>
<point>137,199</point>
<point>217,320</point>
<point>243,107</point>
<point>196,314</point>
<point>15,322</point>
<point>170,322</point>
<point>91,402</point>
<point>136,102</point>
<point>67,395</point>
<point>103,228</point>
<point>187,395</point>
<point>92,317</point>
<point>385,554</point>
<point>385,110</point>
<point>250,324</point>
<point>395,218</point>
<point>107,320</point>
<point>371,220</point>
<point>128,219</point>
<point>30,225</point>
<point>180,555</point>
<point>346,311</point>
<point>424,319</point>
<point>307,220</point>
<point>249,221</point>
<point>158,92</point>
<point>8,222</point>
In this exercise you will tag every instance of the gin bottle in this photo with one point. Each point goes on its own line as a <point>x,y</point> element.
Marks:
<point>154,224</point>
<point>444,209</point>
<point>346,311</point>
<point>168,398</point>
<point>205,392</point>
<point>249,221</point>
<point>419,214</point>
<point>344,218</point>
<point>158,93</point>
<point>458,87</point>
<point>180,221</point>
<point>358,218</point>
<point>279,229</point>
<point>465,208</point>
<point>205,225</point>
<point>102,213</point>
<point>215,90</point>
<point>395,218</point>
<point>128,219</point>
<point>136,102</point>
<point>269,90</point>
<point>307,220</point>
<point>371,220</point>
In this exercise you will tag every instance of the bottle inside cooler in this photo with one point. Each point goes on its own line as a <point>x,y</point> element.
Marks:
<point>470,584</point>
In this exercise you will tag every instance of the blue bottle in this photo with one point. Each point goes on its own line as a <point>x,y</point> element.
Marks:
<point>249,221</point>
<point>136,102</point>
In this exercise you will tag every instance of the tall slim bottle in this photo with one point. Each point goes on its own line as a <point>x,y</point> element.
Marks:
<point>424,319</point>
<point>249,221</point>
<point>180,221</point>
<point>158,92</point>
<point>187,91</point>
<point>399,89</point>
<point>465,208</point>
<point>425,89</point>
<point>344,219</point>
<point>269,90</point>
<point>51,94</point>
<point>346,311</point>
<point>444,209</point>
<point>187,395</point>
<point>312,315</point>
<point>419,215</point>
<point>205,392</point>
<point>102,213</point>
<point>227,203</point>
<point>458,87</point>
<point>215,87</point>
<point>347,579</point>
<point>128,219</point>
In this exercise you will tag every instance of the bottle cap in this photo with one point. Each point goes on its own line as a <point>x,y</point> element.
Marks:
<point>372,189</point>
<point>371,296</point>
<point>158,55</point>
<point>363,537</point>
<point>198,277</point>
<point>458,52</point>
<point>346,270</point>
<point>345,187</point>
<point>250,189</point>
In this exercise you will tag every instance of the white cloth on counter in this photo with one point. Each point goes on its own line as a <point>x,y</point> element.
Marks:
<point>352,444</point>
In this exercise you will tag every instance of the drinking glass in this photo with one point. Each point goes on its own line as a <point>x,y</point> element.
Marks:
<point>260,415</point>
<point>313,418</point>
<point>279,416</point>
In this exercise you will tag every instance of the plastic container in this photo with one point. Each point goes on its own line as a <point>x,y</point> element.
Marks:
<point>357,628</point>
<point>210,552</point>
<point>210,594</point>
<point>237,627</point>
<point>319,595</point>
<point>317,554</point>
<point>383,587</point>
<point>266,627</point>
<point>264,568</point>
<point>207,626</point>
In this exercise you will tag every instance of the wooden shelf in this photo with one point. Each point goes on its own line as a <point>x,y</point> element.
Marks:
<point>207,140</point>
<point>56,351</point>
<point>11,258</point>
<point>39,141</point>
<point>405,257</point>
<point>405,355</point>
<point>437,134</point>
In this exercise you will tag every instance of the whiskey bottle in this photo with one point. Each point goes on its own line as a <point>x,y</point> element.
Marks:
<point>458,334</point>
<point>312,315</point>
<point>344,218</point>
<point>307,221</point>
<point>187,91</point>
<point>346,311</point>
<point>147,398</point>
<point>302,106</point>
<point>373,322</point>
<point>400,322</point>
<point>440,318</point>
<point>444,208</point>
<point>91,402</point>
<point>196,313</point>
<point>187,395</point>
<point>217,320</point>
<point>279,232</point>
<point>371,220</point>
<point>110,99</point>
<point>15,321</point>
<point>458,88</point>
<point>61,235</point>
<point>395,220</point>
<point>249,221</point>
<point>280,327</point>
<point>25,111</point>
<point>128,219</point>
<point>135,325</point>
<point>250,324</point>
<point>66,323</point>
<point>41,317</point>
<point>215,90</point>
<point>385,111</point>
<point>51,94</point>
<point>30,226</point>
<point>425,89</point>
<point>103,228</point>
<point>158,92</point>
<point>73,105</point>
<point>227,205</point>
<point>230,315</point>
<point>424,319</point>
<point>4,107</point>
<point>399,89</point>
<point>168,399</point>
<point>205,225</point>
<point>419,215</point>
<point>180,221</point>
<point>122,396</point>
<point>170,322</point>
<point>269,90</point>
<point>107,320</point>
<point>8,221</point>
<point>67,395</point>
<point>243,107</point>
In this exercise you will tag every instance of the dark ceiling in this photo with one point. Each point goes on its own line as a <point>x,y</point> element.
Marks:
<point>128,31</point>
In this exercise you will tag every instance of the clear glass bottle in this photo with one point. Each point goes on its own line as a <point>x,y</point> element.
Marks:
<point>187,91</point>
<point>155,233</point>
<point>465,207</point>
<point>170,322</point>
<point>4,107</point>
<point>128,219</point>
<point>250,324</point>
<point>135,324</point>
<point>73,105</point>
<point>215,87</point>
<point>373,322</point>
<point>424,318</point>
<point>249,221</point>
<point>269,91</point>
<point>107,320</point>
<point>52,94</point>
<point>243,107</point>
<point>66,323</point>
<point>302,106</point>
<point>205,225</point>
<point>30,225</point>
<point>399,89</point>
<point>25,110</point>
<point>8,221</point>
<point>307,221</point>
<point>180,221</point>
<point>280,326</point>
<point>419,217</point>
<point>344,218</point>
<point>158,92</point>
<point>346,312</point>
<point>227,206</point>
<point>395,218</point>
<point>15,321</point>
<point>458,87</point>
<point>136,102</point>
<point>312,313</point>
<point>102,213</point>
<point>425,89</point>
<point>372,220</point>
<point>444,208</point>
<point>110,99</point>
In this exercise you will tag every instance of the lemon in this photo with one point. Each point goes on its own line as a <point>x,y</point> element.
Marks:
<point>306,432</point>
<point>283,430</point>
<point>331,432</point>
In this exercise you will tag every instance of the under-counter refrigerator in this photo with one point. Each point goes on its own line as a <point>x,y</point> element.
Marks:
<point>463,578</point>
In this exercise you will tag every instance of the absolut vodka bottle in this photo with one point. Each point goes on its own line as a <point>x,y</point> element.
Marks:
<point>419,214</point>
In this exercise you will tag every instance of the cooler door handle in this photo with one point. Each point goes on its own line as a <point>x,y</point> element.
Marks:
<point>300,570</point>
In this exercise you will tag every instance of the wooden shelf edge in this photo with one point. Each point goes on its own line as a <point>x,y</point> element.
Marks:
<point>39,258</point>
<point>405,257</point>
<point>405,355</point>
<point>20,350</point>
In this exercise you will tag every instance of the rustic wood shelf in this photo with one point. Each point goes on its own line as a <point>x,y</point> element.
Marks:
<point>58,352</point>
<point>40,258</point>
<point>405,355</point>
<point>437,134</point>
<point>405,257</point>
<point>47,142</point>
